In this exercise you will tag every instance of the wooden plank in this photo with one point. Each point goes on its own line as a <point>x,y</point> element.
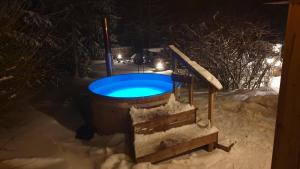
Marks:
<point>224,147</point>
<point>210,147</point>
<point>166,122</point>
<point>286,152</point>
<point>195,68</point>
<point>179,148</point>
<point>211,98</point>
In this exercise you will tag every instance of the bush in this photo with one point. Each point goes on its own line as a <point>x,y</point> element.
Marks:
<point>23,35</point>
<point>233,49</point>
<point>42,43</point>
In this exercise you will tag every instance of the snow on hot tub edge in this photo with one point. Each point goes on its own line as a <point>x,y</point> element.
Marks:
<point>140,115</point>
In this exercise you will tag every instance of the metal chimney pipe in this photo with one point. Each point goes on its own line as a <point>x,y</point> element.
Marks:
<point>108,53</point>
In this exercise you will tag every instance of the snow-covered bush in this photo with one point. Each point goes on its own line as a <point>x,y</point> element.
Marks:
<point>41,42</point>
<point>79,24</point>
<point>25,40</point>
<point>232,48</point>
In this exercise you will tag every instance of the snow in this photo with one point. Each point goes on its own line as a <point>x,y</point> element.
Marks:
<point>140,115</point>
<point>278,63</point>
<point>121,160</point>
<point>244,95</point>
<point>42,137</point>
<point>277,48</point>
<point>270,60</point>
<point>155,50</point>
<point>31,163</point>
<point>275,83</point>
<point>4,78</point>
<point>97,62</point>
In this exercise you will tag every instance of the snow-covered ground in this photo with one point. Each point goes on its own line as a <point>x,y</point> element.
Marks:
<point>41,136</point>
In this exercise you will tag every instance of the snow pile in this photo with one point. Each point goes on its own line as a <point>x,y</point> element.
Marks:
<point>260,106</point>
<point>262,102</point>
<point>86,158</point>
<point>30,163</point>
<point>140,115</point>
<point>120,161</point>
<point>244,95</point>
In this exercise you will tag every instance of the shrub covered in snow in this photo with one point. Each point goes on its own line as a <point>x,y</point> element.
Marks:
<point>42,42</point>
<point>236,50</point>
<point>26,52</point>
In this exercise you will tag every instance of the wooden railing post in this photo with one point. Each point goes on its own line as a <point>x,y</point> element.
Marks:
<point>211,99</point>
<point>176,90</point>
<point>191,90</point>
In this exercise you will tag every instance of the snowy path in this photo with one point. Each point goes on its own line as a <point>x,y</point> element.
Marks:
<point>97,69</point>
<point>41,142</point>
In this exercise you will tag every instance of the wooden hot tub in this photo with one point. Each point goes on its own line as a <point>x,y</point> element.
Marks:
<point>112,97</point>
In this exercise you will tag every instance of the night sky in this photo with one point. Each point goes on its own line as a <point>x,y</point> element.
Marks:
<point>167,12</point>
<point>181,8</point>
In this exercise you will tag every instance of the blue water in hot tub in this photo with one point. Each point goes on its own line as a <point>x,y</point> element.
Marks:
<point>132,85</point>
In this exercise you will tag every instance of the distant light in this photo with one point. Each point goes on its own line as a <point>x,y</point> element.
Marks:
<point>119,56</point>
<point>278,63</point>
<point>277,48</point>
<point>270,60</point>
<point>159,66</point>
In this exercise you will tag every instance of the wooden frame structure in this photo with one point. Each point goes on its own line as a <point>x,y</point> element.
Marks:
<point>150,137</point>
<point>195,71</point>
<point>159,124</point>
<point>163,125</point>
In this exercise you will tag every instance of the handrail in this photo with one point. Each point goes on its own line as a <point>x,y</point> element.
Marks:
<point>195,68</point>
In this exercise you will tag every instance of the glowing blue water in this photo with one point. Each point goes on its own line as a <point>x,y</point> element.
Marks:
<point>135,92</point>
<point>132,85</point>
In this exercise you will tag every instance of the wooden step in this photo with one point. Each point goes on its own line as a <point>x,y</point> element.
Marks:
<point>166,122</point>
<point>163,145</point>
<point>173,114</point>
